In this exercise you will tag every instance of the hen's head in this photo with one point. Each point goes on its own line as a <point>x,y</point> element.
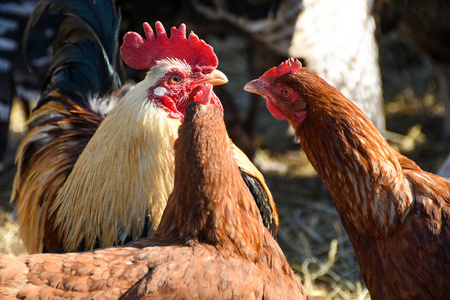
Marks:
<point>283,101</point>
<point>179,67</point>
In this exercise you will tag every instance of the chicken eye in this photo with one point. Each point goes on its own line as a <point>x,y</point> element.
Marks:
<point>176,78</point>
<point>286,92</point>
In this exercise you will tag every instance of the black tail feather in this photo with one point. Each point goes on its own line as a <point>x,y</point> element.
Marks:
<point>85,50</point>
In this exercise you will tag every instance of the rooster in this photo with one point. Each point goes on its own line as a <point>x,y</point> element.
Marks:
<point>97,164</point>
<point>210,244</point>
<point>395,214</point>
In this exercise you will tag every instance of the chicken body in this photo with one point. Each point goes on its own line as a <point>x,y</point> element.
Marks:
<point>96,166</point>
<point>193,271</point>
<point>220,250</point>
<point>395,214</point>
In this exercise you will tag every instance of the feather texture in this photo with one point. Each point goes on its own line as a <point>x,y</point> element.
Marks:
<point>211,243</point>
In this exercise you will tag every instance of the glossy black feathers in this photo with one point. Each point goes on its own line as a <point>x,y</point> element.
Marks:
<point>85,49</point>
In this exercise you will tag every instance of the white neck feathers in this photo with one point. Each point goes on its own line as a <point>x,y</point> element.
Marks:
<point>124,174</point>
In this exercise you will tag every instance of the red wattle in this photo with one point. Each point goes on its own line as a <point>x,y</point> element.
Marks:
<point>275,111</point>
<point>168,105</point>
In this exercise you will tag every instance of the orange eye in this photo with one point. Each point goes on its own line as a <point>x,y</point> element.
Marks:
<point>175,78</point>
<point>286,92</point>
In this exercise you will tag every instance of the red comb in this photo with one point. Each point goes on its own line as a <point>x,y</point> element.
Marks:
<point>140,53</point>
<point>290,66</point>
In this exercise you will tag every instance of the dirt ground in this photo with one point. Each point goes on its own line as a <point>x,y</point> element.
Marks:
<point>310,233</point>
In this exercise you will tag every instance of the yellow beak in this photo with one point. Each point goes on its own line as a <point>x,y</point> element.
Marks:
<point>216,77</point>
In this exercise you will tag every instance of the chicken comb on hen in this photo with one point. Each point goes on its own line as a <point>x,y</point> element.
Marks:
<point>140,53</point>
<point>290,66</point>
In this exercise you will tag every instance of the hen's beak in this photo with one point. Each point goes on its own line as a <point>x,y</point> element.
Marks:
<point>216,77</point>
<point>254,87</point>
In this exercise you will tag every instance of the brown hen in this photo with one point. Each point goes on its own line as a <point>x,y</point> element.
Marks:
<point>211,242</point>
<point>395,214</point>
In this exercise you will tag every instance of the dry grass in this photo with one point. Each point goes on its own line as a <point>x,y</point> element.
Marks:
<point>9,238</point>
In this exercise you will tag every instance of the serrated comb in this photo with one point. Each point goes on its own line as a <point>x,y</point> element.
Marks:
<point>290,66</point>
<point>140,53</point>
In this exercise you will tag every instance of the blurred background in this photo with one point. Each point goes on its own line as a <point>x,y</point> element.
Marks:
<point>390,57</point>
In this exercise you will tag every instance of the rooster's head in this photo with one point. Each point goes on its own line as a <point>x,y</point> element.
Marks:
<point>179,67</point>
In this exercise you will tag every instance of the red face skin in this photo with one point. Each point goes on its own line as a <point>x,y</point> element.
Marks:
<point>180,86</point>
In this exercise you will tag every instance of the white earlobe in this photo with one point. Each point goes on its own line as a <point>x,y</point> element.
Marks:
<point>160,91</point>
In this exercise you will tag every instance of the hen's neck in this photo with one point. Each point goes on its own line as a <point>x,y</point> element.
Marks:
<point>357,165</point>
<point>211,203</point>
<point>124,175</point>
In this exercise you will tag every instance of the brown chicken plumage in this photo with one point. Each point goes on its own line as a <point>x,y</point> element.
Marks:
<point>396,215</point>
<point>211,242</point>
